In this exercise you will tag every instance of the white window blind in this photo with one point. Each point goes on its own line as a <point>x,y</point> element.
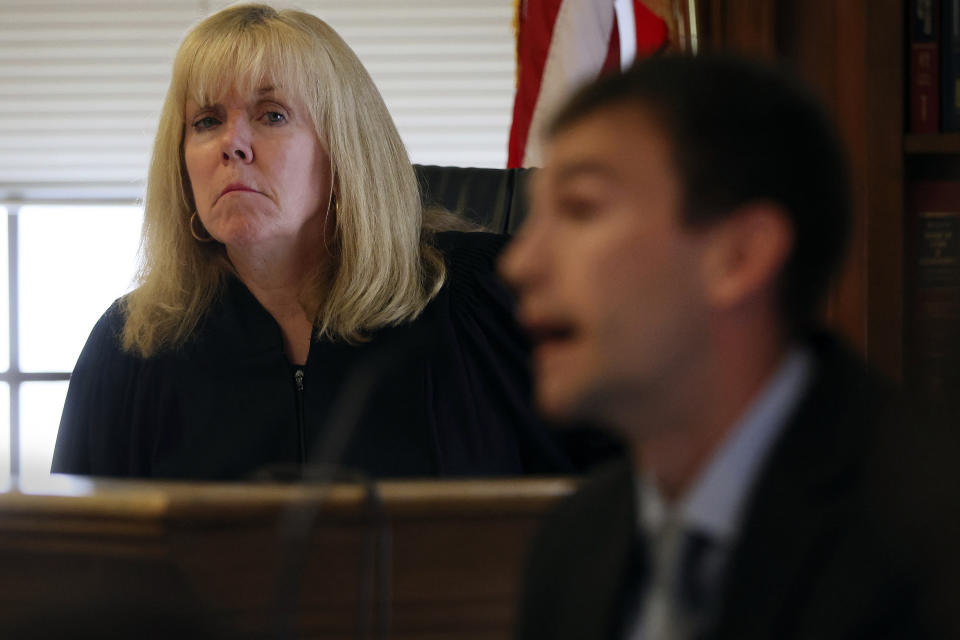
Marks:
<point>82,81</point>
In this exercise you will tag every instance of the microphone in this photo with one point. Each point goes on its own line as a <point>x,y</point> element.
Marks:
<point>328,448</point>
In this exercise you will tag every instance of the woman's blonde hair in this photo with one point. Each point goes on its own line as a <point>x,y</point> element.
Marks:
<point>382,268</point>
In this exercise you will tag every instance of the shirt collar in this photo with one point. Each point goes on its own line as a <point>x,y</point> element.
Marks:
<point>714,504</point>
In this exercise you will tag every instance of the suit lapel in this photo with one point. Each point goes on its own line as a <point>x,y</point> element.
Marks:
<point>606,563</point>
<point>797,510</point>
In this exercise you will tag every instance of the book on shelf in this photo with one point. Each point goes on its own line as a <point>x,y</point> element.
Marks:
<point>950,65</point>
<point>925,66</point>
<point>933,289</point>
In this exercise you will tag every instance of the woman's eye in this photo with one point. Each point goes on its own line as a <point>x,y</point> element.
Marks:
<point>207,122</point>
<point>274,117</point>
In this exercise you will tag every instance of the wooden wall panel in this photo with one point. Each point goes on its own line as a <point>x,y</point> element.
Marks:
<point>848,301</point>
<point>824,42</point>
<point>742,26</point>
<point>884,112</point>
<point>851,55</point>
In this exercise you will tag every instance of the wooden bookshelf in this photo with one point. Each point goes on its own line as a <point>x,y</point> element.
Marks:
<point>931,143</point>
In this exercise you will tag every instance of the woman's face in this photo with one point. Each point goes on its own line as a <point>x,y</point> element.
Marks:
<point>260,177</point>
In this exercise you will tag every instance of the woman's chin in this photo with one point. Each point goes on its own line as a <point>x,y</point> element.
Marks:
<point>239,234</point>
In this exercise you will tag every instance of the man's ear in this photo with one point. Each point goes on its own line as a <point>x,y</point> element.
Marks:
<point>746,253</point>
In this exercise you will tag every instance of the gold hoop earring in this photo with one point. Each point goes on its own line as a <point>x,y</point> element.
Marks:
<point>193,230</point>
<point>335,206</point>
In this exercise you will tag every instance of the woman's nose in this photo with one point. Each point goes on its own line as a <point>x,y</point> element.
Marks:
<point>236,142</point>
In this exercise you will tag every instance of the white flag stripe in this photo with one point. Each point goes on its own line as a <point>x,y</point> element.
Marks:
<point>628,31</point>
<point>578,47</point>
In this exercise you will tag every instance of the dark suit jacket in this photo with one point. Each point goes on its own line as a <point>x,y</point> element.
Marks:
<point>851,530</point>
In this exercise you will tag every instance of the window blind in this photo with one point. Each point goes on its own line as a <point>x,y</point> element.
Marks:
<point>81,84</point>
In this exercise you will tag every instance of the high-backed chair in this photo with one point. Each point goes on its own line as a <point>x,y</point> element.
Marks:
<point>493,198</point>
<point>497,200</point>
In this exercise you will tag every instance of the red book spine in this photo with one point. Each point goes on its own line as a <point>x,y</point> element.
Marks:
<point>924,66</point>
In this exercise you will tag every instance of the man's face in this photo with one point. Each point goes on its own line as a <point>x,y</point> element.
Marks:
<point>609,282</point>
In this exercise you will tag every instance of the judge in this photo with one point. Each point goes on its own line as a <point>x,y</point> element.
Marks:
<point>290,273</point>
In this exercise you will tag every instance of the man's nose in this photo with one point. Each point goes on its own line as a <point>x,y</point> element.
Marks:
<point>526,258</point>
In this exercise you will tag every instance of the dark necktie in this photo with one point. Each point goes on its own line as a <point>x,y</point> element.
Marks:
<point>698,581</point>
<point>677,595</point>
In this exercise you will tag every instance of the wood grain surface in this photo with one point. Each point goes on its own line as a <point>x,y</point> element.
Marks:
<point>412,559</point>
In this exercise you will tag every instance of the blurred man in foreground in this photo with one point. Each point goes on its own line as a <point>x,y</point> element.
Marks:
<point>684,229</point>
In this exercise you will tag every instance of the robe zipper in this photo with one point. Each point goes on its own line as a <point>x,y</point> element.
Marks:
<point>298,383</point>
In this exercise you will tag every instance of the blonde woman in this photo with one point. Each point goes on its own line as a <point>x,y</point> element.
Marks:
<point>284,244</point>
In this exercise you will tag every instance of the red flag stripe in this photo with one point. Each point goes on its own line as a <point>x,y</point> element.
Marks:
<point>652,31</point>
<point>612,62</point>
<point>535,22</point>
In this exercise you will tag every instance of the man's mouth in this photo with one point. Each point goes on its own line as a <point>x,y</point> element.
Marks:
<point>545,334</point>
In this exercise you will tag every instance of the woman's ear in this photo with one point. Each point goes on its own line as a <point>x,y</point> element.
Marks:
<point>747,253</point>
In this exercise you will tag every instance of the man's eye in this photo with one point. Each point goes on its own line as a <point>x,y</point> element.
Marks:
<point>578,208</point>
<point>207,122</point>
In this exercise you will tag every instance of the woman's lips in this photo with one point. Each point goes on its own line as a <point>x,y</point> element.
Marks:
<point>236,187</point>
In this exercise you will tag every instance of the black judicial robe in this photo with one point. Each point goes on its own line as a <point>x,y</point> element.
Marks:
<point>447,394</point>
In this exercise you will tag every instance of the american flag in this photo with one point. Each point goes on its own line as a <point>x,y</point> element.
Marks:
<point>563,43</point>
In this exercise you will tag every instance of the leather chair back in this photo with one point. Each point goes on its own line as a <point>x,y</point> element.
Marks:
<point>493,198</point>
